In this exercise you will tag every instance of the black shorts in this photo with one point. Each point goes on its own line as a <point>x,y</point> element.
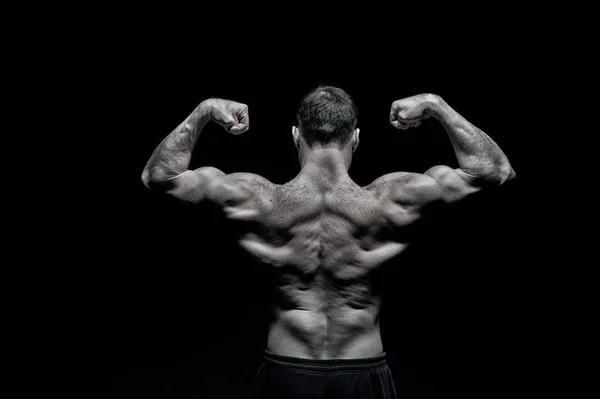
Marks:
<point>285,377</point>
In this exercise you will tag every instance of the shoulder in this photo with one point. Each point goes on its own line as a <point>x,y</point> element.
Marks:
<point>399,183</point>
<point>242,192</point>
<point>438,184</point>
<point>240,183</point>
<point>407,189</point>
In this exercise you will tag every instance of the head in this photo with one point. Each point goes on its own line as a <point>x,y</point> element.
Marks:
<point>327,118</point>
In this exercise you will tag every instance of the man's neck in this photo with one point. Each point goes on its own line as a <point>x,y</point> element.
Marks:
<point>325,166</point>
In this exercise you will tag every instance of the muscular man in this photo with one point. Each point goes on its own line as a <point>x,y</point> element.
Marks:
<point>323,236</point>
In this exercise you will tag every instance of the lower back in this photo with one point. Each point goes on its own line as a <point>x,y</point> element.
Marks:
<point>343,334</point>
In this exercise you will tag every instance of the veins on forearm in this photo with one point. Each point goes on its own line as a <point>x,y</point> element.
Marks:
<point>475,149</point>
<point>173,155</point>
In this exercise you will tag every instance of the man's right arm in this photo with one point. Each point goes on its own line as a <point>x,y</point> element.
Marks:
<point>481,161</point>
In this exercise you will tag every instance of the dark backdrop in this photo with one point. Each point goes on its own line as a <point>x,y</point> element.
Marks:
<point>142,297</point>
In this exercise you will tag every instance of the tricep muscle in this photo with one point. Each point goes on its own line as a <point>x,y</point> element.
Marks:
<point>192,185</point>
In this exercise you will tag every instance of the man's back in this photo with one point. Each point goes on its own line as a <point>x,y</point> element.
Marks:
<point>324,238</point>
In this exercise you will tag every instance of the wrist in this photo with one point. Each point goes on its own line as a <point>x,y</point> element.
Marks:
<point>199,117</point>
<point>204,111</point>
<point>433,105</point>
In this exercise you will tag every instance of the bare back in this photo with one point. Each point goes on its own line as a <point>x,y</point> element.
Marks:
<point>323,237</point>
<point>325,244</point>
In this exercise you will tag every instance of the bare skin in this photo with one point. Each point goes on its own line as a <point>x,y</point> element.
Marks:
<point>323,236</point>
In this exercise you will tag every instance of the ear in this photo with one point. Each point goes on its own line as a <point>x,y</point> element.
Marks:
<point>355,139</point>
<point>296,136</point>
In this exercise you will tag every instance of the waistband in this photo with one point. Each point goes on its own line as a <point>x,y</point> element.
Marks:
<point>325,365</point>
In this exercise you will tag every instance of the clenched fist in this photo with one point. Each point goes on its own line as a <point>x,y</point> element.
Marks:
<point>233,116</point>
<point>411,111</point>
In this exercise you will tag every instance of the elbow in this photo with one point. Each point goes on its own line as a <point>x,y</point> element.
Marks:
<point>155,179</point>
<point>511,175</point>
<point>495,175</point>
<point>502,173</point>
<point>146,178</point>
<point>506,173</point>
<point>151,179</point>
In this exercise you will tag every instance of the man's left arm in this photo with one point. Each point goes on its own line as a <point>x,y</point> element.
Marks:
<point>167,168</point>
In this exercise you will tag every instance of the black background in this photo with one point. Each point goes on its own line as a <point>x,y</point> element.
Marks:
<point>138,296</point>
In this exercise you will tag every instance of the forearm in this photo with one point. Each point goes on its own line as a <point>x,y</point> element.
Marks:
<point>173,154</point>
<point>478,155</point>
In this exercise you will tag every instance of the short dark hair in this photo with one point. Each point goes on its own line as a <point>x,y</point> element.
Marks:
<point>327,115</point>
